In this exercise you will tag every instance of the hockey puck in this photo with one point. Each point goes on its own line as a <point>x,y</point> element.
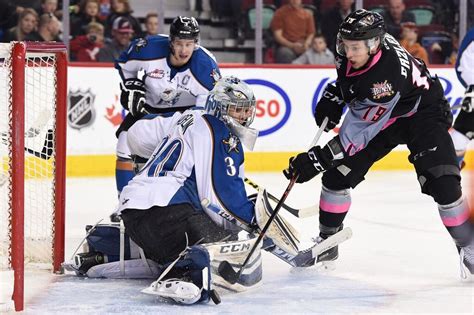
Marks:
<point>215,297</point>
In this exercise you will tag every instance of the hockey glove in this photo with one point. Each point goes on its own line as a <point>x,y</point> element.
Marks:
<point>132,97</point>
<point>468,100</point>
<point>330,105</point>
<point>309,164</point>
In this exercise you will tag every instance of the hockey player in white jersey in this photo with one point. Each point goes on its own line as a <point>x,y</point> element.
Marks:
<point>190,191</point>
<point>463,128</point>
<point>162,74</point>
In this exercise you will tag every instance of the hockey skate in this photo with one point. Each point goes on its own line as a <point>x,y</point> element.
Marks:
<point>82,262</point>
<point>466,257</point>
<point>180,291</point>
<point>327,257</point>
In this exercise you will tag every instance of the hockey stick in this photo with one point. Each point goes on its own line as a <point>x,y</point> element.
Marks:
<point>225,268</point>
<point>47,150</point>
<point>304,257</point>
<point>299,213</point>
<point>35,128</point>
<point>41,121</point>
<point>45,154</point>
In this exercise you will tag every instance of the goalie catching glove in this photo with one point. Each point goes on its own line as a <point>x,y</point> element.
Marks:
<point>330,105</point>
<point>132,96</point>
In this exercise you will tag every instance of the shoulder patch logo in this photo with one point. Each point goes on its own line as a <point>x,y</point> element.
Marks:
<point>232,142</point>
<point>141,42</point>
<point>382,89</point>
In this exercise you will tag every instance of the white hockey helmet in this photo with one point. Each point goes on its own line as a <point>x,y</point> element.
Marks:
<point>232,100</point>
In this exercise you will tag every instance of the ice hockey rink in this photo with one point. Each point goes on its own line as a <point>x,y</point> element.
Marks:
<point>399,260</point>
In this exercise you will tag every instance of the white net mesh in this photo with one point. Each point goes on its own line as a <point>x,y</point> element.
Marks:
<point>40,108</point>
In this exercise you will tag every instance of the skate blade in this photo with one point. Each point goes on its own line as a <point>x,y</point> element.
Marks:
<point>151,291</point>
<point>318,268</point>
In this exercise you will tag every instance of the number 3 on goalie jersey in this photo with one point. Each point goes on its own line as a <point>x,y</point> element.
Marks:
<point>231,170</point>
<point>167,159</point>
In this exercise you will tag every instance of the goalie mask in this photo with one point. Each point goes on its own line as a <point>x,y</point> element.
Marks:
<point>232,100</point>
<point>361,25</point>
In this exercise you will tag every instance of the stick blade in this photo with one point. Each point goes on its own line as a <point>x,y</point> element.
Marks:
<point>227,272</point>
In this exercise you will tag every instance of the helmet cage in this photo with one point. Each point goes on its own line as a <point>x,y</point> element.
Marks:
<point>232,99</point>
<point>241,111</point>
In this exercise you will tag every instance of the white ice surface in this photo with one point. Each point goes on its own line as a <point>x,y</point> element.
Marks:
<point>400,260</point>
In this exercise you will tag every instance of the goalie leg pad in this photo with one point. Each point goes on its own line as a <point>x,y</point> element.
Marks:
<point>282,232</point>
<point>235,252</point>
<point>133,269</point>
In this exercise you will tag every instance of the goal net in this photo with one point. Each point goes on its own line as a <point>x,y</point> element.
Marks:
<point>32,160</point>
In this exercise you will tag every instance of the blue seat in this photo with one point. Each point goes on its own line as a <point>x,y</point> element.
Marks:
<point>423,14</point>
<point>267,16</point>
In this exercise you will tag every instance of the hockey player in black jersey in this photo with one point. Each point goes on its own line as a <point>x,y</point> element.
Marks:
<point>392,99</point>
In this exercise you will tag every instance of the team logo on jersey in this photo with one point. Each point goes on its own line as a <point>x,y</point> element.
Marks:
<point>141,42</point>
<point>156,74</point>
<point>232,142</point>
<point>383,89</point>
<point>80,111</point>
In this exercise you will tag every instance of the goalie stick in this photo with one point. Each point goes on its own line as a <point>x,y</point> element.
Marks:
<point>299,213</point>
<point>225,268</point>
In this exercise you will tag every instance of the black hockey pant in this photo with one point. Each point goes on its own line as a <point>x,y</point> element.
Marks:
<point>161,231</point>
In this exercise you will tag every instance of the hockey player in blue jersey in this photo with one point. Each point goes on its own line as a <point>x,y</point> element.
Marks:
<point>463,128</point>
<point>161,74</point>
<point>392,99</point>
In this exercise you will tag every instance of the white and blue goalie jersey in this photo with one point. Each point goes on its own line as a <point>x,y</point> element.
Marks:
<point>168,86</point>
<point>197,159</point>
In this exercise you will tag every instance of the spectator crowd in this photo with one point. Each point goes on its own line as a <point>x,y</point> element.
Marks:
<point>99,29</point>
<point>299,31</point>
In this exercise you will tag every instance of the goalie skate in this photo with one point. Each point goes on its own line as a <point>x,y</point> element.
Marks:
<point>178,290</point>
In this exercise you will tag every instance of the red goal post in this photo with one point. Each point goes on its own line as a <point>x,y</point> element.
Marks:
<point>33,153</point>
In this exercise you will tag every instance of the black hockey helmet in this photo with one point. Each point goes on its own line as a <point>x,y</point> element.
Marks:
<point>362,24</point>
<point>184,27</point>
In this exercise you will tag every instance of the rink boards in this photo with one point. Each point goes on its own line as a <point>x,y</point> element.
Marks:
<point>286,97</point>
